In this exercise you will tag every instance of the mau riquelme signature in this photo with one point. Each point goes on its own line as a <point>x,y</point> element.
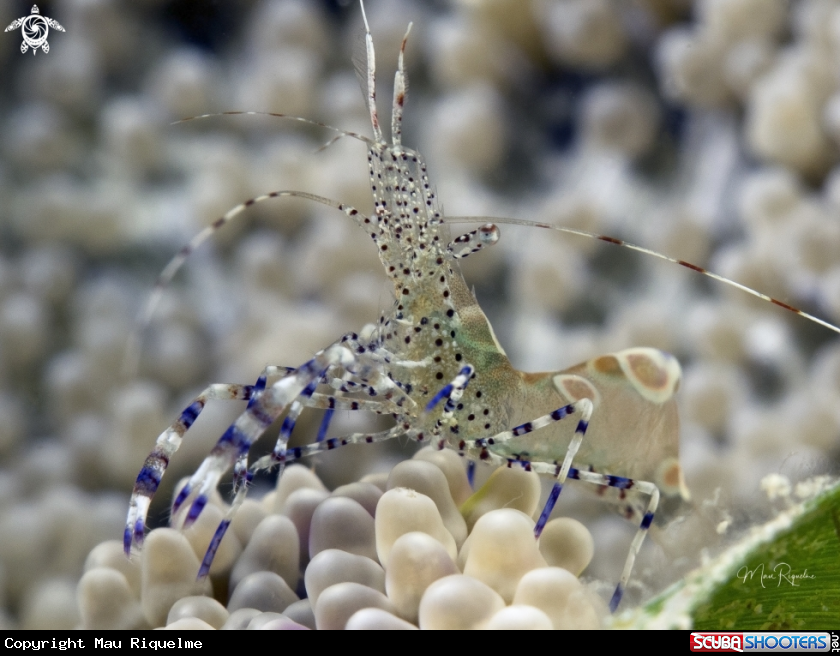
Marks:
<point>781,572</point>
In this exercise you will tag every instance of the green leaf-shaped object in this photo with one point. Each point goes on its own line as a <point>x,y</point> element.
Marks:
<point>784,575</point>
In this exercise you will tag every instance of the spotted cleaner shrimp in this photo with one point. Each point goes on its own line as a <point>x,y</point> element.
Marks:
<point>434,364</point>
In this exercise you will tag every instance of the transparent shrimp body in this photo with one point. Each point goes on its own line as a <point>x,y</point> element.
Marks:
<point>434,364</point>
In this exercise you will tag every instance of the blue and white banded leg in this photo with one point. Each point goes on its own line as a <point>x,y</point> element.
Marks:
<point>480,448</point>
<point>585,406</point>
<point>244,474</point>
<point>452,392</point>
<point>601,480</point>
<point>621,483</point>
<point>307,399</point>
<point>167,443</point>
<point>263,409</point>
<point>328,403</point>
<point>242,477</point>
<point>281,457</point>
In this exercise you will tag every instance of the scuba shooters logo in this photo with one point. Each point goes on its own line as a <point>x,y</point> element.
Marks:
<point>764,641</point>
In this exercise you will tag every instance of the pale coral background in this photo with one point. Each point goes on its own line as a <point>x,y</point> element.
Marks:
<point>707,130</point>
